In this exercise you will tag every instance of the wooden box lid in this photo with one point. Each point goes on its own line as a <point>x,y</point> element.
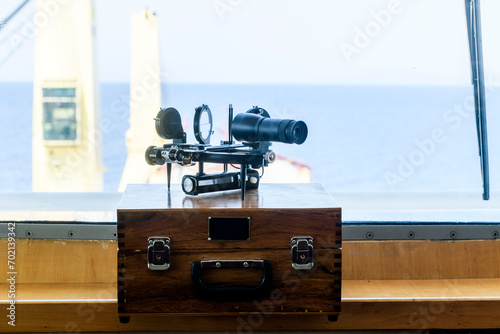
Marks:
<point>268,196</point>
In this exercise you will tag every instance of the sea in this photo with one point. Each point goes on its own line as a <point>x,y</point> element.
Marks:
<point>361,138</point>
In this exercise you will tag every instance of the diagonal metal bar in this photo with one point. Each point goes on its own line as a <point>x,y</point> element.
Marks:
<point>473,16</point>
<point>17,10</point>
<point>3,23</point>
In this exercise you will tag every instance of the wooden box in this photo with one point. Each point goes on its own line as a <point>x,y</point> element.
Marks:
<point>276,252</point>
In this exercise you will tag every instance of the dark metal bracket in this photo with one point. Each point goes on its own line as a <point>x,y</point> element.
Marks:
<point>473,16</point>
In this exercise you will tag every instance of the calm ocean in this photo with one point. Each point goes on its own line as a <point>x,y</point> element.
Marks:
<point>361,138</point>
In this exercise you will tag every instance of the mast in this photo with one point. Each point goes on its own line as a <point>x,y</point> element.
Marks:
<point>145,96</point>
<point>67,138</point>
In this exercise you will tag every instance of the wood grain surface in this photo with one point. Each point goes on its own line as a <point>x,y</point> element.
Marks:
<point>420,259</point>
<point>78,261</point>
<point>276,214</point>
<point>171,291</point>
<point>62,261</point>
<point>402,304</point>
<point>87,307</point>
<point>271,196</point>
<point>269,228</point>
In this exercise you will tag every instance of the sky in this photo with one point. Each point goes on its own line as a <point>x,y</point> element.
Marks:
<point>383,42</point>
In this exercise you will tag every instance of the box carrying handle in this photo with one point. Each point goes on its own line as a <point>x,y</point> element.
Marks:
<point>236,291</point>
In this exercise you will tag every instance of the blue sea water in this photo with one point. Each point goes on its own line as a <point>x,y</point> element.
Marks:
<point>361,138</point>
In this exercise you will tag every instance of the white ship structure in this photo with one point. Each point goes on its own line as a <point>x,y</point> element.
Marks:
<point>67,139</point>
<point>145,97</point>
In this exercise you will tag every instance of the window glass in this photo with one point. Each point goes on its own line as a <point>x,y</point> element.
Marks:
<point>59,92</point>
<point>383,85</point>
<point>59,121</point>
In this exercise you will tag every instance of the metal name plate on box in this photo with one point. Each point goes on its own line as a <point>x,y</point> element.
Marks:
<point>215,254</point>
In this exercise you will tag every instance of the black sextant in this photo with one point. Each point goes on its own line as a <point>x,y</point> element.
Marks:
<point>255,130</point>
